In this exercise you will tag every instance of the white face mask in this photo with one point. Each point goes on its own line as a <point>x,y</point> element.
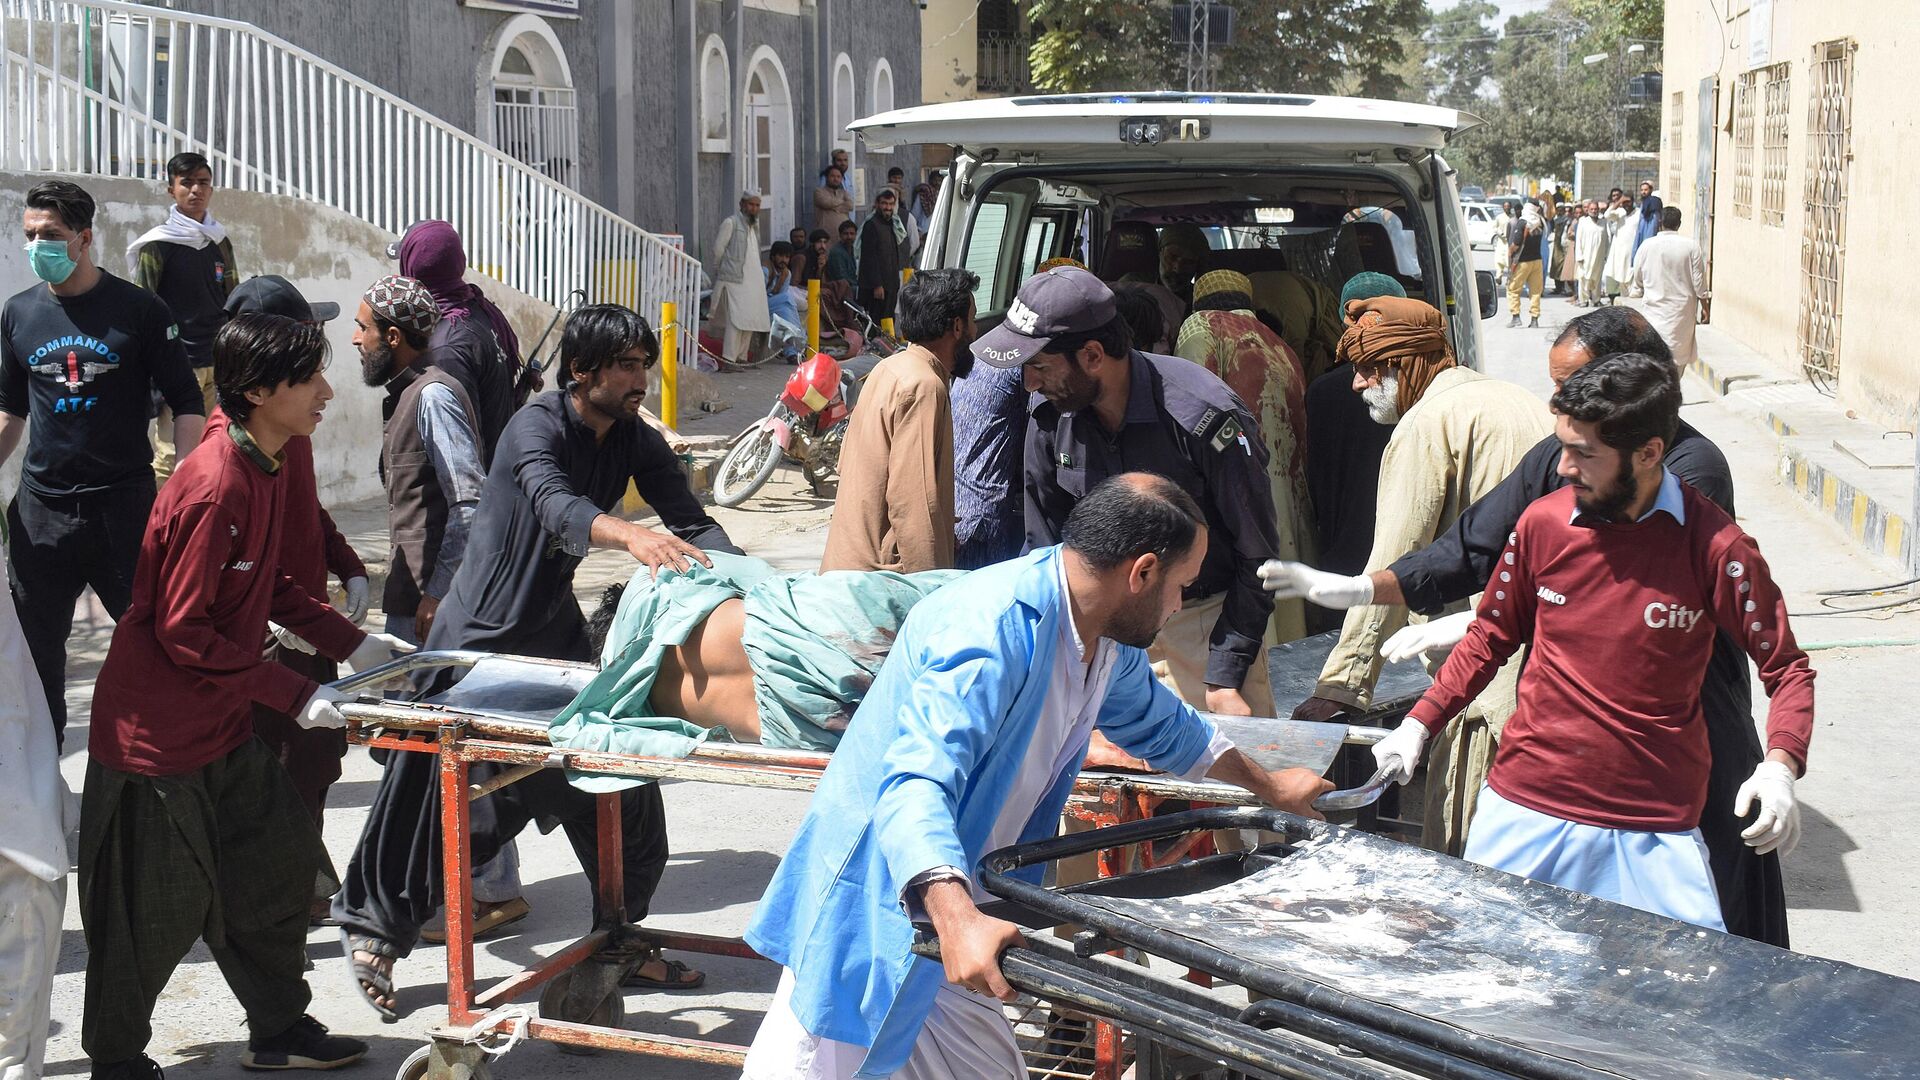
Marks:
<point>1383,399</point>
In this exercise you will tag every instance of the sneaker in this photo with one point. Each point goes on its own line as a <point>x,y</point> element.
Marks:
<point>1513,323</point>
<point>1533,323</point>
<point>140,1068</point>
<point>305,1045</point>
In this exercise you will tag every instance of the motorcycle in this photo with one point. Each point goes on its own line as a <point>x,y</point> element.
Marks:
<point>806,426</point>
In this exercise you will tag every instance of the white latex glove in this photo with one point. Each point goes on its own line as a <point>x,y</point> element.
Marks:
<point>1292,580</point>
<point>289,640</point>
<point>358,592</point>
<point>1433,636</point>
<point>1778,826</point>
<point>1399,754</point>
<point>322,709</point>
<point>378,649</point>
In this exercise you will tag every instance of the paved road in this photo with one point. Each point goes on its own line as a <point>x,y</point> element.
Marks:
<point>1852,882</point>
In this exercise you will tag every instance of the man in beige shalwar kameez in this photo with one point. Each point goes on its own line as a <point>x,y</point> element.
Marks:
<point>739,310</point>
<point>894,510</point>
<point>1457,434</point>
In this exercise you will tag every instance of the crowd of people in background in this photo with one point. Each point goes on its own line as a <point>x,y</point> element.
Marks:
<point>856,254</point>
<point>1592,249</point>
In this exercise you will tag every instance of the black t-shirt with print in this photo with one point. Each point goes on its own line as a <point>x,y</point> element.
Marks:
<point>193,282</point>
<point>82,369</point>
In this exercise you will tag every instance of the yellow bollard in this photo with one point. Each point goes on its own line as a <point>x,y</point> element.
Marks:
<point>906,274</point>
<point>886,326</point>
<point>670,365</point>
<point>813,316</point>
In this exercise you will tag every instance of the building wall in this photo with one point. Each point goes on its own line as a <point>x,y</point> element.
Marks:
<point>436,55</point>
<point>807,44</point>
<point>950,50</point>
<point>432,53</point>
<point>1757,275</point>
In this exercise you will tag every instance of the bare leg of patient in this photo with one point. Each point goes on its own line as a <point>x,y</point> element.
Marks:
<point>707,681</point>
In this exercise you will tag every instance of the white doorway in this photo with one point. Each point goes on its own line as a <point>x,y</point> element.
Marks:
<point>767,144</point>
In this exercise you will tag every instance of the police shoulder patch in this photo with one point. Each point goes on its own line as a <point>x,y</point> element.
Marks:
<point>1218,428</point>
<point>1226,433</point>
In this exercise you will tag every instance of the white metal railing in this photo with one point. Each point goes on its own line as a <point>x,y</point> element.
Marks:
<point>114,89</point>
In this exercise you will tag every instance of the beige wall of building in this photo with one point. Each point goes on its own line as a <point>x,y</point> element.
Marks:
<point>949,50</point>
<point>1761,226</point>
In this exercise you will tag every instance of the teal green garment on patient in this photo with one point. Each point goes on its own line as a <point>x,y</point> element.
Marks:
<point>814,642</point>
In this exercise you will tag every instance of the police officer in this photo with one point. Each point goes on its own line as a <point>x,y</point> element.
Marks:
<point>1101,408</point>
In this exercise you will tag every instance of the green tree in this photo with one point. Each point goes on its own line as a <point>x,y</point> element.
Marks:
<point>1623,18</point>
<point>1541,104</point>
<point>1459,53</point>
<point>1299,46</point>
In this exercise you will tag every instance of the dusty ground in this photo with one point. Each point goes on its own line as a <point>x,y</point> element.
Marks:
<point>1851,883</point>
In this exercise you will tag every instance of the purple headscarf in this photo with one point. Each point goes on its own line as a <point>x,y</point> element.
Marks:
<point>431,254</point>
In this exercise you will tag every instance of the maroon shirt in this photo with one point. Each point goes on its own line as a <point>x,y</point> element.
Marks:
<point>185,665</point>
<point>311,545</point>
<point>1620,620</point>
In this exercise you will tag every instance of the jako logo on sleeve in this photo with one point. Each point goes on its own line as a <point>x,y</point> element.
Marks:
<point>1551,597</point>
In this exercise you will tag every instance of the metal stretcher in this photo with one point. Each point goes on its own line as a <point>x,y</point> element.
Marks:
<point>1365,959</point>
<point>499,712</point>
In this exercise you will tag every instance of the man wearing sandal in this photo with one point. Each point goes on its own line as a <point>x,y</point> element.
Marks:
<point>562,466</point>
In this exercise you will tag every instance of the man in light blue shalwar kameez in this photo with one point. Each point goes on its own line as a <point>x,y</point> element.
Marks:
<point>969,741</point>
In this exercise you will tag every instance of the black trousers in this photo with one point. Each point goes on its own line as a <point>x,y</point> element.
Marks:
<point>224,854</point>
<point>393,885</point>
<point>1753,896</point>
<point>59,545</point>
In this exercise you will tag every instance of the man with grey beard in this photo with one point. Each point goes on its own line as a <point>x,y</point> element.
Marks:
<point>1457,434</point>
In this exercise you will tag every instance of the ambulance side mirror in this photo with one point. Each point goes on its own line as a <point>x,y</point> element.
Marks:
<point>1483,288</point>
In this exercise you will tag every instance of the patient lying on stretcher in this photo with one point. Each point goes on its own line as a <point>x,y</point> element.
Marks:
<point>739,650</point>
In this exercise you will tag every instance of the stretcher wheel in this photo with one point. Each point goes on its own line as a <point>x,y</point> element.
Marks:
<point>444,1061</point>
<point>586,995</point>
<point>415,1066</point>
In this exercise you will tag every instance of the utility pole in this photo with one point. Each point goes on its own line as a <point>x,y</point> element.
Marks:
<point>1199,47</point>
<point>1627,51</point>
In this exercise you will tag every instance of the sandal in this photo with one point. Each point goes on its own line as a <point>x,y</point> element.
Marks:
<point>366,976</point>
<point>491,919</point>
<point>676,979</point>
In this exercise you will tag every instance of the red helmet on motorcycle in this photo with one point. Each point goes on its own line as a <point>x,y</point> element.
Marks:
<point>813,386</point>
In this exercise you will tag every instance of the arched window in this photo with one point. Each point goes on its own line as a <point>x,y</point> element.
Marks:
<point>880,88</point>
<point>716,90</point>
<point>530,91</point>
<point>843,103</point>
<point>767,141</point>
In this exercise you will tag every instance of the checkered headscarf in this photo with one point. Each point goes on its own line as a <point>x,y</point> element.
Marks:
<point>403,302</point>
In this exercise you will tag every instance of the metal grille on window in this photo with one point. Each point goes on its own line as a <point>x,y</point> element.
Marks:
<point>1743,94</point>
<point>1676,139</point>
<point>1823,246</point>
<point>534,118</point>
<point>1773,145</point>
